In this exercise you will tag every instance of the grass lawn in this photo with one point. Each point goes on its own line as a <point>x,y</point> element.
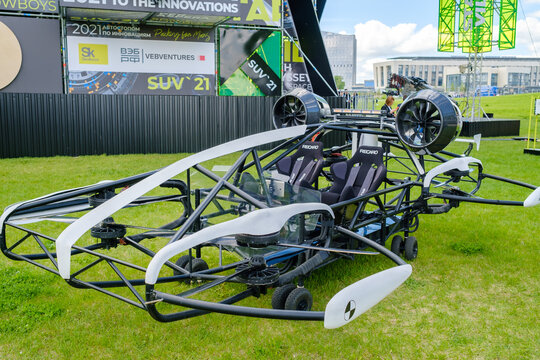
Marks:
<point>474,292</point>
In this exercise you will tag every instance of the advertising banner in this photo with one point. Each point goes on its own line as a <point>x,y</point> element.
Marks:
<point>253,12</point>
<point>30,6</point>
<point>250,62</point>
<point>133,59</point>
<point>38,66</point>
<point>475,25</point>
<point>295,73</point>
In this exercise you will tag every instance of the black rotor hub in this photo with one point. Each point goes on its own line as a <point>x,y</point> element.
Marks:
<point>108,231</point>
<point>100,197</point>
<point>257,273</point>
<point>257,241</point>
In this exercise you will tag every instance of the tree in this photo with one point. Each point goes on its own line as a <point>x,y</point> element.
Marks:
<point>340,84</point>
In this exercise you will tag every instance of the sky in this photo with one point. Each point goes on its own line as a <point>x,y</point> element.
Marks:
<point>390,28</point>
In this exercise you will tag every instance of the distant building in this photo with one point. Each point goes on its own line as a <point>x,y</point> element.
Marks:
<point>341,51</point>
<point>516,74</point>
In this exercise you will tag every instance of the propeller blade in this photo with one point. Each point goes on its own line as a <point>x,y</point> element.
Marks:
<point>431,111</point>
<point>422,109</point>
<point>361,296</point>
<point>416,112</point>
<point>411,115</point>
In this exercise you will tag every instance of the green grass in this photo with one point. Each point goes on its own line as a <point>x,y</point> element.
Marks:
<point>511,107</point>
<point>474,292</point>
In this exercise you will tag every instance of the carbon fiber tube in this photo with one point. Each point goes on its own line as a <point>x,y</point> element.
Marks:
<point>304,269</point>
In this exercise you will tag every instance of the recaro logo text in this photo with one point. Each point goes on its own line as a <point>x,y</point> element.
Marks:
<point>97,54</point>
<point>368,152</point>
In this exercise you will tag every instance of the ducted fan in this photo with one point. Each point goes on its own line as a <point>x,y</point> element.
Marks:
<point>428,121</point>
<point>299,107</point>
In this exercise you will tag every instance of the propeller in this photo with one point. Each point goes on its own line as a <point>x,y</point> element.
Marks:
<point>299,107</point>
<point>427,120</point>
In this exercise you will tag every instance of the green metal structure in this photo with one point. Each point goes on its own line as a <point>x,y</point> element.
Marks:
<point>447,19</point>
<point>475,25</point>
<point>507,24</point>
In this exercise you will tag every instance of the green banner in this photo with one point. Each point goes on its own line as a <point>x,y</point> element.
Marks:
<point>507,24</point>
<point>447,19</point>
<point>250,62</point>
<point>466,11</point>
<point>475,25</point>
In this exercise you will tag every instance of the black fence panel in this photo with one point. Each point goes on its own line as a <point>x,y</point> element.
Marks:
<point>57,124</point>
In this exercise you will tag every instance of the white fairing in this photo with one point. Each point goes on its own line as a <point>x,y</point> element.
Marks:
<point>533,199</point>
<point>359,297</point>
<point>74,231</point>
<point>259,222</point>
<point>11,208</point>
<point>475,140</point>
<point>461,164</point>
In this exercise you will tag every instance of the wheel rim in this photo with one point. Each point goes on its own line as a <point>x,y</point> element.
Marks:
<point>302,305</point>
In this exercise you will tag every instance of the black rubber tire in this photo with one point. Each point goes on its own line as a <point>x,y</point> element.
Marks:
<point>299,299</point>
<point>411,248</point>
<point>397,245</point>
<point>197,265</point>
<point>280,296</point>
<point>181,262</point>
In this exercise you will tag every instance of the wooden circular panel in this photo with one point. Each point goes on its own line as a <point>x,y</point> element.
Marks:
<point>10,56</point>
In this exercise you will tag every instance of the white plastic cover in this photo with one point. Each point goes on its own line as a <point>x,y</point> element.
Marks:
<point>359,297</point>
<point>259,222</point>
<point>461,164</point>
<point>74,231</point>
<point>533,199</point>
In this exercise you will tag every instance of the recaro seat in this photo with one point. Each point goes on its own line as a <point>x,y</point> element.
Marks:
<point>304,166</point>
<point>361,174</point>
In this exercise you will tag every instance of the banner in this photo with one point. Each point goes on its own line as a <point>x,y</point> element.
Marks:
<point>475,25</point>
<point>295,73</point>
<point>507,24</point>
<point>133,59</point>
<point>447,19</point>
<point>250,62</point>
<point>294,68</point>
<point>253,12</point>
<point>41,67</point>
<point>30,6</point>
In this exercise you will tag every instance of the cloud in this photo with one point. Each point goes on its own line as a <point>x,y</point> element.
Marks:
<point>377,41</point>
<point>523,37</point>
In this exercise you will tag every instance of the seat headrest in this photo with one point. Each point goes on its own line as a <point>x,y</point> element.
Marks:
<point>368,154</point>
<point>313,149</point>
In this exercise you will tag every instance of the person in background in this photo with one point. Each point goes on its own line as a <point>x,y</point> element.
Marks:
<point>388,106</point>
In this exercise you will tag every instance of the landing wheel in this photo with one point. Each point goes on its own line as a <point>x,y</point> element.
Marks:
<point>397,245</point>
<point>196,266</point>
<point>411,248</point>
<point>279,297</point>
<point>299,299</point>
<point>182,262</point>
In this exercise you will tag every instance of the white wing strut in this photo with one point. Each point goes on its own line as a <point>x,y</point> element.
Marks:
<point>533,199</point>
<point>74,231</point>
<point>259,222</point>
<point>461,164</point>
<point>359,297</point>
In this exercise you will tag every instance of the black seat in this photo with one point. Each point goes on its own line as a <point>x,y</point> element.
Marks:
<point>304,166</point>
<point>361,174</point>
